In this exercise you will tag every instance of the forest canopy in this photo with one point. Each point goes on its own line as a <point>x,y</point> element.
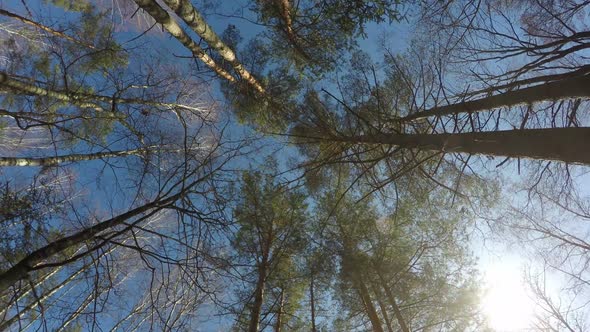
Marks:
<point>279,165</point>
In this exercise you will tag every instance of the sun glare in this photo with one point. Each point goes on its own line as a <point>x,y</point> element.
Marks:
<point>506,304</point>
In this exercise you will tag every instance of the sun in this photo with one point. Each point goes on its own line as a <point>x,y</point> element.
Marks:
<point>506,304</point>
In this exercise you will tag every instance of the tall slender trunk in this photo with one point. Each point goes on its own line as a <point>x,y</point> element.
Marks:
<point>38,282</point>
<point>162,17</point>
<point>133,313</point>
<point>396,310</point>
<point>189,14</point>
<point>382,306</point>
<point>559,144</point>
<point>279,322</point>
<point>383,309</point>
<point>258,297</point>
<point>366,298</point>
<point>140,323</point>
<point>45,28</point>
<point>348,263</point>
<point>31,261</point>
<point>285,13</point>
<point>5,324</point>
<point>573,87</point>
<point>85,100</point>
<point>25,290</point>
<point>543,79</point>
<point>93,295</point>
<point>266,242</point>
<point>76,157</point>
<point>312,300</point>
<point>27,88</point>
<point>52,161</point>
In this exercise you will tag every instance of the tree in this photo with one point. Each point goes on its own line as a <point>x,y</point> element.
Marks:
<point>141,218</point>
<point>269,237</point>
<point>163,18</point>
<point>44,28</point>
<point>194,20</point>
<point>408,270</point>
<point>312,35</point>
<point>507,60</point>
<point>133,203</point>
<point>76,250</point>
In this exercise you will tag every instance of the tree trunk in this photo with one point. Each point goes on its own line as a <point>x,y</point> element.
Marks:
<point>567,88</point>
<point>559,144</point>
<point>14,298</point>
<point>185,10</point>
<point>382,306</point>
<point>396,310</point>
<point>30,262</point>
<point>258,297</point>
<point>84,100</point>
<point>45,28</point>
<point>43,297</point>
<point>37,283</point>
<point>279,322</point>
<point>23,311</point>
<point>349,265</point>
<point>53,161</point>
<point>132,314</point>
<point>312,300</point>
<point>361,288</point>
<point>30,89</point>
<point>92,296</point>
<point>285,13</point>
<point>161,16</point>
<point>366,298</point>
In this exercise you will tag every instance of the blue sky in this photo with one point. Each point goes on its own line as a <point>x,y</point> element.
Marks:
<point>491,252</point>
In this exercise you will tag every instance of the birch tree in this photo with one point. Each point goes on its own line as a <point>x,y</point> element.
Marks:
<point>142,144</point>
